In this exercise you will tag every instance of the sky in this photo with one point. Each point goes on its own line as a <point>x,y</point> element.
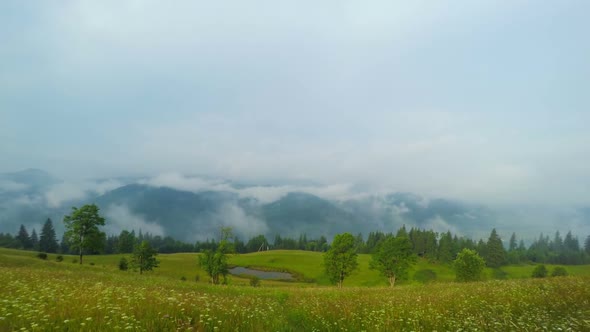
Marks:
<point>485,101</point>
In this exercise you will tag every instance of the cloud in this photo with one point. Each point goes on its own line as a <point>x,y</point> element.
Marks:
<point>64,192</point>
<point>11,186</point>
<point>440,225</point>
<point>244,225</point>
<point>121,218</point>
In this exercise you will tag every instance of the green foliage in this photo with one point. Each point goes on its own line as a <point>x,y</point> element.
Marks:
<point>255,281</point>
<point>22,238</point>
<point>468,266</point>
<point>215,262</point>
<point>341,259</point>
<point>82,232</point>
<point>425,276</point>
<point>144,257</point>
<point>540,271</point>
<point>123,264</point>
<point>126,242</point>
<point>559,271</point>
<point>48,240</point>
<point>495,252</point>
<point>394,257</point>
<point>42,255</point>
<point>59,258</point>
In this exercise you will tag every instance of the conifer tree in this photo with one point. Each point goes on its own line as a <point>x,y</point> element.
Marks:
<point>48,240</point>
<point>496,254</point>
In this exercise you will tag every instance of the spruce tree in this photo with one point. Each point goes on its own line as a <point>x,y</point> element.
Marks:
<point>23,239</point>
<point>48,240</point>
<point>496,254</point>
<point>34,240</point>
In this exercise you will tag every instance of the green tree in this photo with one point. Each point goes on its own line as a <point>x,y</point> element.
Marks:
<point>48,239</point>
<point>22,238</point>
<point>144,257</point>
<point>468,266</point>
<point>393,258</point>
<point>34,240</point>
<point>495,252</point>
<point>540,271</point>
<point>559,271</point>
<point>126,242</point>
<point>214,262</point>
<point>82,232</point>
<point>340,260</point>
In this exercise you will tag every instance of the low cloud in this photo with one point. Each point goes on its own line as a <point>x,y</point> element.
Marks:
<point>11,186</point>
<point>121,218</point>
<point>439,225</point>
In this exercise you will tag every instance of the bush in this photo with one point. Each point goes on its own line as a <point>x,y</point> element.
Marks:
<point>75,260</point>
<point>559,271</point>
<point>197,278</point>
<point>425,276</point>
<point>540,271</point>
<point>183,278</point>
<point>468,266</point>
<point>254,281</point>
<point>91,263</point>
<point>59,258</point>
<point>42,255</point>
<point>123,264</point>
<point>499,274</point>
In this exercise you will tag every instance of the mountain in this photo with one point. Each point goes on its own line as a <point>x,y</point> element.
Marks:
<point>31,196</point>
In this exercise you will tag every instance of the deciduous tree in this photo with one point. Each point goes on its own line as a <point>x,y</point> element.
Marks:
<point>82,232</point>
<point>393,258</point>
<point>144,257</point>
<point>341,259</point>
<point>214,262</point>
<point>468,265</point>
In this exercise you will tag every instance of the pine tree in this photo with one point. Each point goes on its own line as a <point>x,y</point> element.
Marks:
<point>34,240</point>
<point>496,254</point>
<point>23,238</point>
<point>48,240</point>
<point>513,244</point>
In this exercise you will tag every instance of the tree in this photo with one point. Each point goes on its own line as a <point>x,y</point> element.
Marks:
<point>144,257</point>
<point>82,231</point>
<point>340,259</point>
<point>559,271</point>
<point>126,242</point>
<point>23,238</point>
<point>496,254</point>
<point>215,262</point>
<point>393,258</point>
<point>540,271</point>
<point>48,240</point>
<point>468,265</point>
<point>34,240</point>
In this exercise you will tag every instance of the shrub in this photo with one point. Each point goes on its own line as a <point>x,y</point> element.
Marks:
<point>42,255</point>
<point>425,276</point>
<point>183,278</point>
<point>468,265</point>
<point>540,271</point>
<point>197,278</point>
<point>59,258</point>
<point>123,264</point>
<point>254,281</point>
<point>91,263</point>
<point>499,274</point>
<point>75,260</point>
<point>559,271</point>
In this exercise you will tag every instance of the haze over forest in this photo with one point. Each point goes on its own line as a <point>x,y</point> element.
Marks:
<point>302,117</point>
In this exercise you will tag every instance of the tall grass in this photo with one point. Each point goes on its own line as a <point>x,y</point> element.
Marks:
<point>38,295</point>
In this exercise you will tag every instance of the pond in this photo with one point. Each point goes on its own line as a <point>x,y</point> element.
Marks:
<point>239,270</point>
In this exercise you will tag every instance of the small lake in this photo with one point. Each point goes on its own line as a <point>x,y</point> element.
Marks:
<point>238,270</point>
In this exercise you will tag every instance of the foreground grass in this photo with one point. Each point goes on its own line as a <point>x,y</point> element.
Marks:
<point>40,295</point>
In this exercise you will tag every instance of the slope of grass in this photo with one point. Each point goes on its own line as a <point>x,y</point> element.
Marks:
<point>37,295</point>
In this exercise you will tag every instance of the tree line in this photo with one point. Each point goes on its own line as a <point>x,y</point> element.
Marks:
<point>436,247</point>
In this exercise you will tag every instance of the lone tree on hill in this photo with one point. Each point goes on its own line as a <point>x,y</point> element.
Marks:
<point>340,260</point>
<point>48,240</point>
<point>144,257</point>
<point>468,265</point>
<point>82,231</point>
<point>393,258</point>
<point>215,262</point>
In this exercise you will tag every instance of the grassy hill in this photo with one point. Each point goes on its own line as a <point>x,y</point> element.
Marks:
<point>46,295</point>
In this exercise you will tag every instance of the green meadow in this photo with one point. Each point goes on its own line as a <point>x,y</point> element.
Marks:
<point>46,295</point>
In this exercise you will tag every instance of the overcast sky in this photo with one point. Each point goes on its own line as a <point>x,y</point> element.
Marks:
<point>480,100</point>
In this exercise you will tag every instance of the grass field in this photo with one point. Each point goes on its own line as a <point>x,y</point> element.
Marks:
<point>37,295</point>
